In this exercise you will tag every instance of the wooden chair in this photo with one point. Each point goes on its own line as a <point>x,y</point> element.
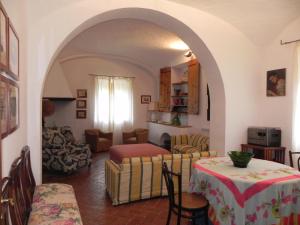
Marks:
<point>99,141</point>
<point>19,210</point>
<point>291,159</point>
<point>28,183</point>
<point>190,206</point>
<point>5,201</point>
<point>137,136</point>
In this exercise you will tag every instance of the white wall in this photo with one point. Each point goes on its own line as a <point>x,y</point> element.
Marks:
<point>12,144</point>
<point>226,54</point>
<point>278,111</point>
<point>76,73</point>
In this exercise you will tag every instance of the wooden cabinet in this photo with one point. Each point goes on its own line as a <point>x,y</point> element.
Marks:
<point>276,154</point>
<point>165,89</point>
<point>193,86</point>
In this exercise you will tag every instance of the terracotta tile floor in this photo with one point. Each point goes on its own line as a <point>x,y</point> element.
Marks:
<point>95,205</point>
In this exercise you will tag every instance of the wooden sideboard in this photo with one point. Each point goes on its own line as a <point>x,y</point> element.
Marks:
<point>276,154</point>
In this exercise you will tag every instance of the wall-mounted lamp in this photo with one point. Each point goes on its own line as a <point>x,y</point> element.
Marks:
<point>188,53</point>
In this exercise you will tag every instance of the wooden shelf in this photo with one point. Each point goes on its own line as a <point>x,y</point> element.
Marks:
<point>180,83</point>
<point>170,125</point>
<point>179,96</point>
<point>180,105</point>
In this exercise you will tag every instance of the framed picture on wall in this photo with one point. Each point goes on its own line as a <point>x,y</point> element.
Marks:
<point>3,106</point>
<point>276,82</point>
<point>81,104</point>
<point>13,109</point>
<point>3,39</point>
<point>13,52</point>
<point>81,93</point>
<point>145,99</point>
<point>80,114</point>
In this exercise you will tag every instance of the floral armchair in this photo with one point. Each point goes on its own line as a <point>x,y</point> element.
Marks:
<point>61,152</point>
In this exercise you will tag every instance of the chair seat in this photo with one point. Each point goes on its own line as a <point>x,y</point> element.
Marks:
<point>191,201</point>
<point>103,140</point>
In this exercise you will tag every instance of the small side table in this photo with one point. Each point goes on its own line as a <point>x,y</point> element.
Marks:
<point>276,154</point>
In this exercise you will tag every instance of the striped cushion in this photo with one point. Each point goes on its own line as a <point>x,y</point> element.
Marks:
<point>180,139</point>
<point>199,141</point>
<point>185,149</point>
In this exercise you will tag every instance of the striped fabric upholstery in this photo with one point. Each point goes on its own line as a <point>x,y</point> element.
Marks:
<point>188,144</point>
<point>141,177</point>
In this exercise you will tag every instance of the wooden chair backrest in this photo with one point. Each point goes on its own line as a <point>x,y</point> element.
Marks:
<point>28,181</point>
<point>4,205</point>
<point>19,210</point>
<point>291,159</point>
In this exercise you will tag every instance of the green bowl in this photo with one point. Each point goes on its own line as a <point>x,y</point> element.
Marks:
<point>240,159</point>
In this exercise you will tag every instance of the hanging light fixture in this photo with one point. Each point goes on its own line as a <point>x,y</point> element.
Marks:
<point>188,53</point>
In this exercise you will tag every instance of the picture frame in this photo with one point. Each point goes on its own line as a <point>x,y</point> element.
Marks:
<point>13,106</point>
<point>80,114</point>
<point>13,52</point>
<point>81,104</point>
<point>145,99</point>
<point>3,107</point>
<point>276,82</point>
<point>3,39</point>
<point>81,93</point>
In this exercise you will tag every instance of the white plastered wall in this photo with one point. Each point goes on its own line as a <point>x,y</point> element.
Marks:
<point>76,72</point>
<point>12,144</point>
<point>278,111</point>
<point>51,24</point>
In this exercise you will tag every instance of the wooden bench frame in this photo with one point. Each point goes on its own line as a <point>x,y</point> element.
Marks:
<point>19,189</point>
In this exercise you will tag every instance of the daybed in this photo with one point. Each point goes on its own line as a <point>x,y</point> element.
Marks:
<point>141,177</point>
<point>118,152</point>
<point>23,202</point>
<point>189,143</point>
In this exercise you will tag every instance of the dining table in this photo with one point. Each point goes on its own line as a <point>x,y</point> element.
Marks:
<point>264,193</point>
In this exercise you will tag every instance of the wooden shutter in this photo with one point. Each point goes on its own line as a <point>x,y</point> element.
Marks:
<point>165,89</point>
<point>193,86</point>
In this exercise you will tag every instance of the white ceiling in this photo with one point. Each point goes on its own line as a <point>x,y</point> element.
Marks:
<point>260,20</point>
<point>148,45</point>
<point>137,41</point>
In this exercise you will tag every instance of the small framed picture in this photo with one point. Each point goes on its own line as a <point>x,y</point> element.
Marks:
<point>81,104</point>
<point>13,52</point>
<point>81,93</point>
<point>3,39</point>
<point>13,106</point>
<point>3,106</point>
<point>81,114</point>
<point>145,99</point>
<point>276,82</point>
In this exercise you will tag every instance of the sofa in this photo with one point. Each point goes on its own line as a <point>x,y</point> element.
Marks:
<point>189,143</point>
<point>139,178</point>
<point>60,151</point>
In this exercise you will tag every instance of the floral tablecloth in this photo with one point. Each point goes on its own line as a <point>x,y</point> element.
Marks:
<point>264,193</point>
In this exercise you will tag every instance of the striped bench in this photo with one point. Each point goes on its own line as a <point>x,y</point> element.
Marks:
<point>139,178</point>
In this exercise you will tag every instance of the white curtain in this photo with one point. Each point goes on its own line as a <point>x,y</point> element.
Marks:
<point>296,122</point>
<point>113,105</point>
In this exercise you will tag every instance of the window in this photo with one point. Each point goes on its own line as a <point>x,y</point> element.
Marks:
<point>113,104</point>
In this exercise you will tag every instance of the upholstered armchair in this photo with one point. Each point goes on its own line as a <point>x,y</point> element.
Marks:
<point>61,153</point>
<point>99,141</point>
<point>135,137</point>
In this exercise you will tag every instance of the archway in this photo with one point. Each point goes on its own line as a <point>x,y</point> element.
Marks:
<point>208,63</point>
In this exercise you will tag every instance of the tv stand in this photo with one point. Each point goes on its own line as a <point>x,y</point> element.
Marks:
<point>276,154</point>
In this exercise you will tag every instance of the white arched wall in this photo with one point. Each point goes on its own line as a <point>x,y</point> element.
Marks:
<point>230,61</point>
